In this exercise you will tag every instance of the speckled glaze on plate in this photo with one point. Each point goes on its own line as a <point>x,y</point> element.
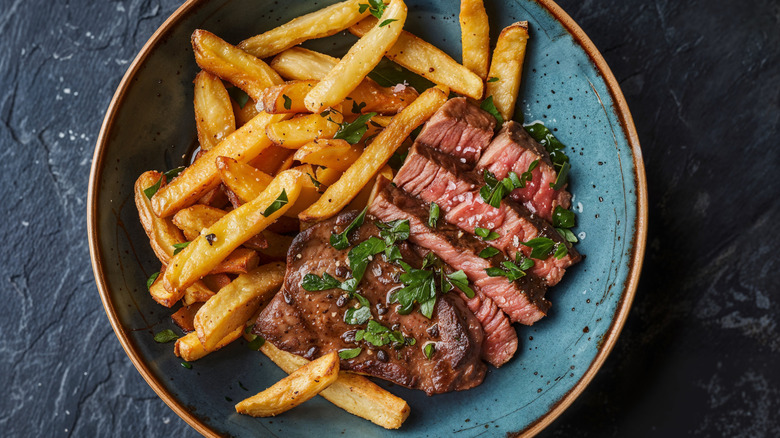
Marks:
<point>566,84</point>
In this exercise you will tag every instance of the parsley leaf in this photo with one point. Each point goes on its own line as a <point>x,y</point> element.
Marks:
<point>559,158</point>
<point>151,279</point>
<point>287,102</point>
<point>314,181</point>
<point>378,335</point>
<point>459,280</point>
<point>350,353</point>
<point>433,214</point>
<point>420,287</point>
<point>341,241</point>
<point>429,350</point>
<point>490,107</point>
<point>173,173</point>
<point>388,74</point>
<point>386,22</point>
<point>256,342</point>
<point>563,218</point>
<point>494,190</point>
<point>567,234</point>
<point>397,160</point>
<point>357,316</point>
<point>239,96</point>
<point>493,79</point>
<point>178,247</point>
<point>165,336</point>
<point>375,7</point>
<point>485,234</point>
<point>150,191</point>
<point>187,365</point>
<point>560,251</point>
<point>353,132</point>
<point>357,107</point>
<point>277,204</point>
<point>361,254</point>
<point>560,180</point>
<point>541,247</point>
<point>488,252</point>
<point>313,283</point>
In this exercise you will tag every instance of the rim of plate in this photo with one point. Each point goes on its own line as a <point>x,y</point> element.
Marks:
<point>610,337</point>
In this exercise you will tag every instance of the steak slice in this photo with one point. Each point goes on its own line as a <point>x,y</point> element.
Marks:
<point>435,177</point>
<point>459,129</point>
<point>513,150</point>
<point>311,324</point>
<point>522,300</point>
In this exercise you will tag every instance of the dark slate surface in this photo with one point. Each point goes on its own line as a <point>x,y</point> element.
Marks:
<point>700,353</point>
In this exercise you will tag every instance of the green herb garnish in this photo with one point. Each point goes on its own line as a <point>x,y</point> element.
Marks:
<point>151,279</point>
<point>150,191</point>
<point>256,343</point>
<point>559,158</point>
<point>277,204</point>
<point>541,247</point>
<point>420,287</point>
<point>173,173</point>
<point>239,96</point>
<point>165,336</point>
<point>313,283</point>
<point>349,353</point>
<point>493,79</point>
<point>353,132</point>
<point>357,316</point>
<point>433,214</point>
<point>392,232</point>
<point>375,7</point>
<point>490,107</point>
<point>563,218</point>
<point>357,108</point>
<point>459,280</point>
<point>186,365</point>
<point>494,190</point>
<point>386,22</point>
<point>361,254</point>
<point>378,335</point>
<point>488,252</point>
<point>485,234</point>
<point>429,350</point>
<point>179,247</point>
<point>341,240</point>
<point>560,251</point>
<point>287,102</point>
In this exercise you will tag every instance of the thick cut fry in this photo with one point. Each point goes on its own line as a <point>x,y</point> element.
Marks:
<point>287,98</point>
<point>189,348</point>
<point>362,57</point>
<point>201,176</point>
<point>245,113</point>
<point>232,64</point>
<point>216,281</point>
<point>199,292</point>
<point>366,194</point>
<point>375,156</point>
<point>299,131</point>
<point>235,228</point>
<point>184,317</point>
<point>232,306</point>
<point>475,36</point>
<point>240,261</point>
<point>428,61</point>
<point>335,154</point>
<point>194,219</point>
<point>243,179</point>
<point>319,24</point>
<point>327,176</point>
<point>310,193</point>
<point>355,394</point>
<point>162,233</point>
<point>507,68</point>
<point>300,386</point>
<point>305,65</point>
<point>214,116</point>
<point>215,197</point>
<point>269,160</point>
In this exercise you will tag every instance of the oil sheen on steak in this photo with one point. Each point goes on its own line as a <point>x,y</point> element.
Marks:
<point>311,324</point>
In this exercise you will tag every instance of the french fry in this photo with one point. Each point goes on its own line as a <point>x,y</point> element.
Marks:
<point>199,292</point>
<point>353,393</point>
<point>362,57</point>
<point>507,67</point>
<point>243,145</point>
<point>233,64</point>
<point>244,113</point>
<point>215,197</point>
<point>184,317</point>
<point>214,116</point>
<point>196,218</point>
<point>300,386</point>
<point>310,193</point>
<point>306,65</point>
<point>216,282</point>
<point>475,36</point>
<point>376,155</point>
<point>189,348</point>
<point>278,245</point>
<point>366,194</point>
<point>428,61</point>
<point>244,180</point>
<point>335,154</point>
<point>322,23</point>
<point>269,160</point>
<point>234,304</point>
<point>287,98</point>
<point>162,232</point>
<point>235,228</point>
<point>296,132</point>
<point>240,261</point>
<point>328,175</point>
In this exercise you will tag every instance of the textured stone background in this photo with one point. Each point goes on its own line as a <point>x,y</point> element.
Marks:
<point>700,353</point>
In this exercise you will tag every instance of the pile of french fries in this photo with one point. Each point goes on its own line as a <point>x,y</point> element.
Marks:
<point>271,161</point>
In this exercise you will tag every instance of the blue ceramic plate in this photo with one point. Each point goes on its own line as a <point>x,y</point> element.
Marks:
<point>566,84</point>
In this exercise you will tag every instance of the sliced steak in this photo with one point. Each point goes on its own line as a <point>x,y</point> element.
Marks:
<point>513,150</point>
<point>459,129</point>
<point>522,300</point>
<point>435,177</point>
<point>311,324</point>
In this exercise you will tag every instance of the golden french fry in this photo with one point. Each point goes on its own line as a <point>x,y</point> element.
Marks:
<point>215,197</point>
<point>216,281</point>
<point>382,121</point>
<point>336,154</point>
<point>162,232</point>
<point>428,61</point>
<point>235,228</point>
<point>319,24</point>
<point>287,98</point>
<point>284,165</point>
<point>327,175</point>
<point>201,176</point>
<point>305,65</point>
<point>235,303</point>
<point>233,64</point>
<point>362,57</point>
<point>351,392</point>
<point>507,68</point>
<point>214,116</point>
<point>189,348</point>
<point>376,155</point>
<point>310,193</point>
<point>299,131</point>
<point>199,292</point>
<point>185,316</point>
<point>269,160</point>
<point>240,261</point>
<point>366,194</point>
<point>244,113</point>
<point>300,386</point>
<point>475,36</point>
<point>244,180</point>
<point>193,219</point>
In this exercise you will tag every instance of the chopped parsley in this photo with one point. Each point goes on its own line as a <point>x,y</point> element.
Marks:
<point>459,280</point>
<point>357,108</point>
<point>353,132</point>
<point>350,353</point>
<point>490,107</point>
<point>357,316</point>
<point>341,240</point>
<point>510,270</point>
<point>277,204</point>
<point>187,365</point>
<point>485,234</point>
<point>361,254</point>
<point>150,280</point>
<point>378,335</point>
<point>419,287</point>
<point>429,350</point>
<point>493,79</point>
<point>433,214</point>
<point>165,336</point>
<point>494,190</point>
<point>392,232</point>
<point>314,283</point>
<point>287,102</point>
<point>151,190</point>
<point>256,343</point>
<point>375,7</point>
<point>173,173</point>
<point>543,246</point>
<point>386,22</point>
<point>563,220</point>
<point>179,247</point>
<point>488,252</point>
<point>239,96</point>
<point>559,158</point>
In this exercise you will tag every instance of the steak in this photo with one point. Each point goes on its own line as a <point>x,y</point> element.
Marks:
<point>522,300</point>
<point>459,129</point>
<point>436,177</point>
<point>311,324</point>
<point>513,150</point>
